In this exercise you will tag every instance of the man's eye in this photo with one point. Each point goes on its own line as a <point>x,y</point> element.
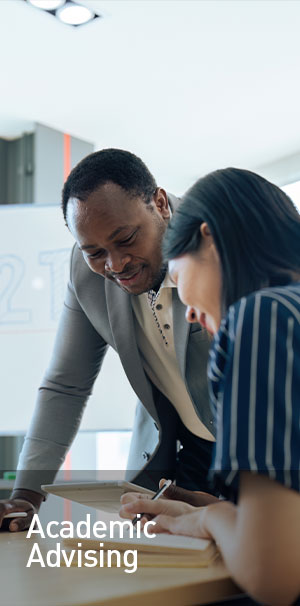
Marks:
<point>127,240</point>
<point>96,255</point>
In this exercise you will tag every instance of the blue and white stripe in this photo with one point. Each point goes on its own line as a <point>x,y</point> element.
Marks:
<point>254,384</point>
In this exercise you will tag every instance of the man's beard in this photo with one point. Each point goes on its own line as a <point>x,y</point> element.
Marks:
<point>160,276</point>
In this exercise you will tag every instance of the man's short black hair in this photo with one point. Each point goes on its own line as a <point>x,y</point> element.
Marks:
<point>116,165</point>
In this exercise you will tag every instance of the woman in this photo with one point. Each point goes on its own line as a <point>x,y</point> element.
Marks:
<point>234,252</point>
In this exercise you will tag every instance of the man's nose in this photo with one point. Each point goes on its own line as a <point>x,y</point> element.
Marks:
<point>190,315</point>
<point>116,262</point>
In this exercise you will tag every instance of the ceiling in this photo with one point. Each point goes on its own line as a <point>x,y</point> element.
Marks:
<point>190,86</point>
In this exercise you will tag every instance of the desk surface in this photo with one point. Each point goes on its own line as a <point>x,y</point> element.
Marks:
<point>36,586</point>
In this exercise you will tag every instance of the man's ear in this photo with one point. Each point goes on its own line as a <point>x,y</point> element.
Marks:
<point>161,202</point>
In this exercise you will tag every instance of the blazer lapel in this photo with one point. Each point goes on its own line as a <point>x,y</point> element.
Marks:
<point>122,326</point>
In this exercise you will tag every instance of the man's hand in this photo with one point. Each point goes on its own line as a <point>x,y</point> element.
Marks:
<point>21,500</point>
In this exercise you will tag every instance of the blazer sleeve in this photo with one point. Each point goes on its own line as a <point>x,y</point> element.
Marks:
<point>76,360</point>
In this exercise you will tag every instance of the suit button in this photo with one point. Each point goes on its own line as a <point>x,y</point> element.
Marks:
<point>159,306</point>
<point>146,455</point>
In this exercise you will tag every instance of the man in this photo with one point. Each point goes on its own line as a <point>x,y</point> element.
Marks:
<point>121,295</point>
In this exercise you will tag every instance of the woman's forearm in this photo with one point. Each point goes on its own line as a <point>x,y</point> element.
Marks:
<point>223,523</point>
<point>258,542</point>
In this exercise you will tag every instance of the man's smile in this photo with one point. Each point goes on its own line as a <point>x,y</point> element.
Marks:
<point>130,278</point>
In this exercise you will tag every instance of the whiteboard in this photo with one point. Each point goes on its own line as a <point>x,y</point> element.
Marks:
<point>35,248</point>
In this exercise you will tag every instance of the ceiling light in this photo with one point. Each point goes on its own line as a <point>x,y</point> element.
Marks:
<point>74,14</point>
<point>67,11</point>
<point>47,5</point>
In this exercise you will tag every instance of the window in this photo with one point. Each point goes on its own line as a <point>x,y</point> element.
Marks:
<point>293,191</point>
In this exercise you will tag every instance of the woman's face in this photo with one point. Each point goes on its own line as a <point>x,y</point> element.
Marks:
<point>198,279</point>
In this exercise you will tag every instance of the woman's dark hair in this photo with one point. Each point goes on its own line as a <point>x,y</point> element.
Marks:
<point>116,165</point>
<point>254,224</point>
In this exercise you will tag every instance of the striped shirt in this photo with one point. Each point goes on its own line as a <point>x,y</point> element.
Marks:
<point>254,385</point>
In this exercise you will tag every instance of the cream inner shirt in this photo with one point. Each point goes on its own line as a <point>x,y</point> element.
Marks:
<point>159,360</point>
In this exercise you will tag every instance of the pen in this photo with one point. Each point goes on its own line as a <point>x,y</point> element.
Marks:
<point>154,498</point>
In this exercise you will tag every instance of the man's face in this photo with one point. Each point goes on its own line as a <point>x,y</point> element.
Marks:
<point>120,235</point>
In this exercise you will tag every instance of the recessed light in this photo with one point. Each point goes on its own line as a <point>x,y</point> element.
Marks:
<point>47,5</point>
<point>66,11</point>
<point>74,14</point>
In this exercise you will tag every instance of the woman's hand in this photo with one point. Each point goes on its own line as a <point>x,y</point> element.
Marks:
<point>175,493</point>
<point>190,524</point>
<point>153,508</point>
<point>193,497</point>
<point>174,517</point>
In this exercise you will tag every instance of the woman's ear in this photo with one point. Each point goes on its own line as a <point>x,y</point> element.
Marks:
<point>207,242</point>
<point>204,230</point>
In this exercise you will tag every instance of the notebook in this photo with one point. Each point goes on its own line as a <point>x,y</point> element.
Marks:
<point>100,495</point>
<point>164,550</point>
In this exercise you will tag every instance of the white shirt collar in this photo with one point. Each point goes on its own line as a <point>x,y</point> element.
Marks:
<point>167,282</point>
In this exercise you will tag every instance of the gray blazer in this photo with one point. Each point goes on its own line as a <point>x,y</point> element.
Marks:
<point>98,314</point>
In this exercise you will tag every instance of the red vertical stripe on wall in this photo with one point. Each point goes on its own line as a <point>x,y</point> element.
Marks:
<point>67,156</point>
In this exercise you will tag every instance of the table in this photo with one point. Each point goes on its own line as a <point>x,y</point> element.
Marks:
<point>37,586</point>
